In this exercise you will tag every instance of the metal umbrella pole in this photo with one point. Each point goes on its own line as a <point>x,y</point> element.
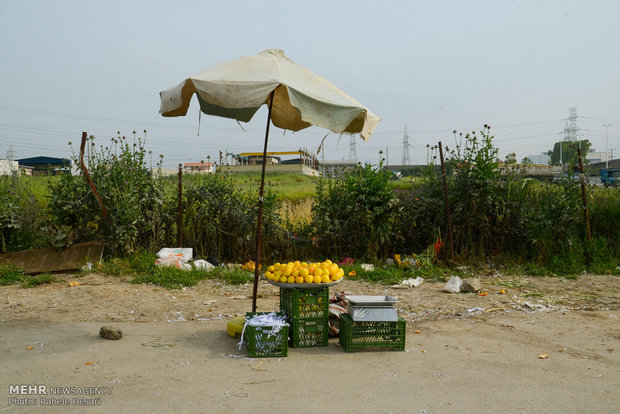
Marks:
<point>259,225</point>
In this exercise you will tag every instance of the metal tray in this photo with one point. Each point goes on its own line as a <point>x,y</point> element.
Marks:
<point>372,313</point>
<point>303,285</point>
<point>371,300</point>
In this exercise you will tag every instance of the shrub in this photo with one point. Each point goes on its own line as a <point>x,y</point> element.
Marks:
<point>24,223</point>
<point>354,215</point>
<point>131,195</point>
<point>219,220</point>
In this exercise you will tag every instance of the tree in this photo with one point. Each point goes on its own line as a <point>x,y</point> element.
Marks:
<point>526,161</point>
<point>511,158</point>
<point>569,151</point>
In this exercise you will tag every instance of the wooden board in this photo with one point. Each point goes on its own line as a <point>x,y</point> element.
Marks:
<point>54,260</point>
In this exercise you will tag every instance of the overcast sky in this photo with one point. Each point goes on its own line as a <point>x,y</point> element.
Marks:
<point>433,66</point>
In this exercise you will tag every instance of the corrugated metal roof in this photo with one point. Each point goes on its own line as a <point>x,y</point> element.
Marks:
<point>38,161</point>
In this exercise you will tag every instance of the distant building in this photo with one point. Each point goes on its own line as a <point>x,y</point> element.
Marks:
<point>593,156</point>
<point>336,168</point>
<point>539,159</point>
<point>44,165</point>
<point>199,167</point>
<point>305,163</point>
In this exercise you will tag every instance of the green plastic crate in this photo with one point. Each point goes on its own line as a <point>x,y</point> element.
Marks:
<point>355,336</point>
<point>309,332</point>
<point>305,303</point>
<point>262,343</point>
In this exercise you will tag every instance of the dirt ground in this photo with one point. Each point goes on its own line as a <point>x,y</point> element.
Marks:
<point>465,353</point>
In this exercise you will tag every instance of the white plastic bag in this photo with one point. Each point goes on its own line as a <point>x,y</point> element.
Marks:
<point>203,264</point>
<point>184,253</point>
<point>453,285</point>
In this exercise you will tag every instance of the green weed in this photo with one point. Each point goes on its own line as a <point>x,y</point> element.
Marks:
<point>10,275</point>
<point>42,279</point>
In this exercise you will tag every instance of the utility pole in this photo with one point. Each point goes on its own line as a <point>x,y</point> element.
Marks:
<point>406,157</point>
<point>606,150</point>
<point>570,127</point>
<point>353,149</point>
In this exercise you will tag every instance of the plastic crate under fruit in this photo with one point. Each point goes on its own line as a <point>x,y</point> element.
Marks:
<point>262,342</point>
<point>305,303</point>
<point>309,332</point>
<point>355,336</point>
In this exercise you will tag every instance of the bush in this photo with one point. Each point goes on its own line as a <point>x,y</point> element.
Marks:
<point>354,215</point>
<point>133,198</point>
<point>219,220</point>
<point>24,223</point>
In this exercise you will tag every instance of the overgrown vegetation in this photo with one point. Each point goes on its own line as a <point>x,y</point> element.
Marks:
<point>498,217</point>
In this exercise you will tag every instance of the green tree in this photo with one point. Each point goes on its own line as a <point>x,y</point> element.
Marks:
<point>569,151</point>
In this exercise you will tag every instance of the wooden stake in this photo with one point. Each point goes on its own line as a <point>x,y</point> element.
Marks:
<point>446,203</point>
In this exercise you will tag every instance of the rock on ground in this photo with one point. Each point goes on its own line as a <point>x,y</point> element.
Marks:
<point>109,332</point>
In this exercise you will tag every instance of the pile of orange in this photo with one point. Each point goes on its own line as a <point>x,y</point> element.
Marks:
<point>302,272</point>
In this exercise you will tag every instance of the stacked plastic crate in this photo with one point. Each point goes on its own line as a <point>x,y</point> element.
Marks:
<point>372,322</point>
<point>307,311</point>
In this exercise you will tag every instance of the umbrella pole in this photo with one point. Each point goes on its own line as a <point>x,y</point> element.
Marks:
<point>259,225</point>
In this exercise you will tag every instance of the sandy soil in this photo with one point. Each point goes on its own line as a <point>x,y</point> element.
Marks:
<point>473,354</point>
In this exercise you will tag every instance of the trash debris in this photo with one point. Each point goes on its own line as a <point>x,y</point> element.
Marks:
<point>270,319</point>
<point>348,261</point>
<point>366,267</point>
<point>543,356</point>
<point>203,264</point>
<point>416,332</point>
<point>29,348</point>
<point>250,266</point>
<point>535,306</point>
<point>352,273</point>
<point>90,363</point>
<point>74,283</point>
<point>87,267</point>
<point>471,285</point>
<point>408,283</point>
<point>109,332</point>
<point>175,257</point>
<point>184,253</point>
<point>475,310</point>
<point>337,307</point>
<point>453,285</point>
<point>502,291</point>
<point>482,293</point>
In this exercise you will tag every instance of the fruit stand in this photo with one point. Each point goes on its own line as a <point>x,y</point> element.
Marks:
<point>304,300</point>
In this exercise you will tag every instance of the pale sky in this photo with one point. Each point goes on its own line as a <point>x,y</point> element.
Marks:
<point>433,66</point>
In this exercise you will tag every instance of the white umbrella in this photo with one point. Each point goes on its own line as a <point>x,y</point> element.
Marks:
<point>296,98</point>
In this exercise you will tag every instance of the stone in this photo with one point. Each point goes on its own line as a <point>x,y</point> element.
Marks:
<point>389,262</point>
<point>110,332</point>
<point>472,285</point>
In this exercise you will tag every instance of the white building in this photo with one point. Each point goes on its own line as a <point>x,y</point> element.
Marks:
<point>594,156</point>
